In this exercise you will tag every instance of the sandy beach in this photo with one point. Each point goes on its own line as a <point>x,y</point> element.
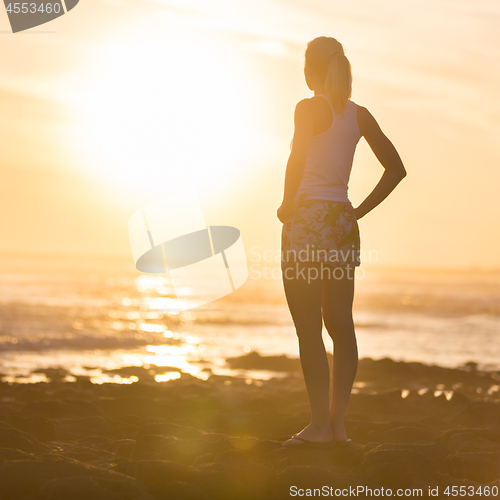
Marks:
<point>412,426</point>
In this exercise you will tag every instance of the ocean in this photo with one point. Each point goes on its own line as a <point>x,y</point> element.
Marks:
<point>100,318</point>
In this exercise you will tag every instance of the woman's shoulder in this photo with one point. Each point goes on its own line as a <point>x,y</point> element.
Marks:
<point>315,102</point>
<point>304,107</point>
<point>359,109</point>
<point>362,111</point>
<point>364,118</point>
<point>314,105</point>
<point>308,102</point>
<point>309,108</point>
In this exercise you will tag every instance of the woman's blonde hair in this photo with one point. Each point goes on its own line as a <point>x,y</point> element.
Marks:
<point>325,57</point>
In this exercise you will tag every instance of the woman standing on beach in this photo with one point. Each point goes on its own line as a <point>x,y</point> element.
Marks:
<point>320,236</point>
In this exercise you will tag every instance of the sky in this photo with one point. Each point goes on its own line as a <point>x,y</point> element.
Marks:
<point>118,103</point>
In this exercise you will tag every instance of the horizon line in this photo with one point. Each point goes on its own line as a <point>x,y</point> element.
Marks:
<point>383,267</point>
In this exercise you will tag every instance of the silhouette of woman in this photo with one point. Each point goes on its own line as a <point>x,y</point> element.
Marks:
<point>320,241</point>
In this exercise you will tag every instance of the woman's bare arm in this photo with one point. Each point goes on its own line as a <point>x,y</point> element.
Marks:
<point>386,153</point>
<point>304,126</point>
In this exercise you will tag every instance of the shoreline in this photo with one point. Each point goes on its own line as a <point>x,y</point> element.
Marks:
<point>258,367</point>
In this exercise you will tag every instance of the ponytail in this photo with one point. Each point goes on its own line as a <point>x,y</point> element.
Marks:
<point>338,83</point>
<point>325,55</point>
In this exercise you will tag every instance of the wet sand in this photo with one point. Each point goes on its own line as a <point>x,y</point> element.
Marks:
<point>412,426</point>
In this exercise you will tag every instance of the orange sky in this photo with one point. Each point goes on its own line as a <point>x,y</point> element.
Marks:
<point>108,107</point>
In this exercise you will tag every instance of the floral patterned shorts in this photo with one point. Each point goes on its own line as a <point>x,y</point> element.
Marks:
<point>321,231</point>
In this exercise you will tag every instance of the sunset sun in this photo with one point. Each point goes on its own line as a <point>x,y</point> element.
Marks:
<point>163,112</point>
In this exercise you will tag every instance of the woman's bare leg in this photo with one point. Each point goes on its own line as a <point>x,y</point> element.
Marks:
<point>337,299</point>
<point>303,294</point>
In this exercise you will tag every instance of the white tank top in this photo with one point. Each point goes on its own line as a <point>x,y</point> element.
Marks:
<point>330,156</point>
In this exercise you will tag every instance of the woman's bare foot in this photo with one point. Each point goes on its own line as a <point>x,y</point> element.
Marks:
<point>338,431</point>
<point>315,433</point>
<point>339,435</point>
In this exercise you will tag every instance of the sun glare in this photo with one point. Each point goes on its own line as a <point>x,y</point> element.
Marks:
<point>164,112</point>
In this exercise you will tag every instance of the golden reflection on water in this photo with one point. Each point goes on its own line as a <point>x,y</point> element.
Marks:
<point>166,305</point>
<point>166,377</point>
<point>173,350</point>
<point>115,379</point>
<point>447,394</point>
<point>148,284</point>
<point>30,379</point>
<point>149,327</point>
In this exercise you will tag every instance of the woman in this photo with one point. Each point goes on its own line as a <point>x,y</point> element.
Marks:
<point>320,236</point>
